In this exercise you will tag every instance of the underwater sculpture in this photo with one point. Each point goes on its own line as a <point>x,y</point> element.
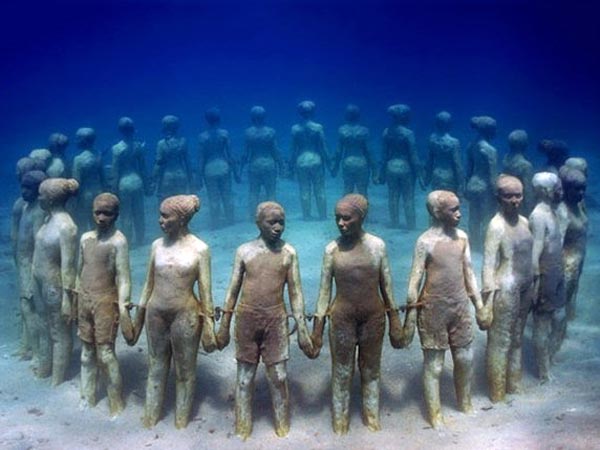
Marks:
<point>263,159</point>
<point>440,285</point>
<point>353,154</point>
<point>54,272</point>
<point>172,172</point>
<point>576,162</point>
<point>261,270</point>
<point>548,271</point>
<point>216,169</point>
<point>130,182</point>
<point>57,167</point>
<point>575,226</point>
<point>507,287</point>
<point>400,166</point>
<point>482,159</point>
<point>176,320</point>
<point>358,263</point>
<point>443,169</point>
<point>556,153</point>
<point>103,289</point>
<point>515,163</point>
<point>309,158</point>
<point>43,156</point>
<point>27,218</point>
<point>88,171</point>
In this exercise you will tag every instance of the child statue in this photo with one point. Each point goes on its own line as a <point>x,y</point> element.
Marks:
<point>103,291</point>
<point>261,270</point>
<point>548,271</point>
<point>358,263</point>
<point>507,287</point>
<point>54,272</point>
<point>177,319</point>
<point>440,285</point>
<point>57,167</point>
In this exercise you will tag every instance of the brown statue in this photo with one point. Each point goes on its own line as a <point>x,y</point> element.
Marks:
<point>261,270</point>
<point>103,291</point>
<point>54,275</point>
<point>548,271</point>
<point>440,285</point>
<point>508,286</point>
<point>176,319</point>
<point>358,263</point>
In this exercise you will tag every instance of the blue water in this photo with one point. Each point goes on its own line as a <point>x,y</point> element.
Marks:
<point>71,64</point>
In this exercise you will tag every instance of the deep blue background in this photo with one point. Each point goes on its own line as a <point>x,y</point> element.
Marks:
<point>72,64</point>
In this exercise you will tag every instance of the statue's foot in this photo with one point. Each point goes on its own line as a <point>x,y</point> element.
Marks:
<point>340,427</point>
<point>116,407</point>
<point>282,430</point>
<point>149,422</point>
<point>243,430</point>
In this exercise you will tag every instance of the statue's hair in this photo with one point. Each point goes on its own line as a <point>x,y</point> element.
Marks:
<point>544,181</point>
<point>185,206</point>
<point>263,207</point>
<point>570,176</point>
<point>107,198</point>
<point>357,202</point>
<point>577,163</point>
<point>518,138</point>
<point>505,180</point>
<point>436,200</point>
<point>33,177</point>
<point>59,188</point>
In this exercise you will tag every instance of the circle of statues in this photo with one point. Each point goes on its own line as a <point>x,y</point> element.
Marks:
<point>531,229</point>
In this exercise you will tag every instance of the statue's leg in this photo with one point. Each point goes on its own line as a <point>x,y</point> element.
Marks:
<point>433,364</point>
<point>370,343</point>
<point>348,178</point>
<point>139,218</point>
<point>28,346</point>
<point>515,356</point>
<point>498,344</point>
<point>278,386</point>
<point>463,374</point>
<point>43,368</point>
<point>304,184</point>
<point>270,184</point>
<point>62,344</point>
<point>542,325</point>
<point>185,333</point>
<point>159,360</point>
<point>318,180</point>
<point>114,388</point>
<point>408,200</point>
<point>227,197</point>
<point>362,181</point>
<point>244,390</point>
<point>253,193</point>
<point>126,214</point>
<point>89,375</point>
<point>558,331</point>
<point>394,201</point>
<point>572,286</point>
<point>212,191</point>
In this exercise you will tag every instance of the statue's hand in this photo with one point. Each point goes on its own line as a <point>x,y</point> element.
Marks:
<point>485,316</point>
<point>395,331</point>
<point>223,336</point>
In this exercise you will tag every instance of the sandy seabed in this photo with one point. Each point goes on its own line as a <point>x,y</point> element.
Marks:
<point>564,413</point>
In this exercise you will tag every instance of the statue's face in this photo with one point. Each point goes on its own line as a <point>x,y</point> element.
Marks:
<point>272,225</point>
<point>574,192</point>
<point>510,197</point>
<point>45,201</point>
<point>29,192</point>
<point>105,215</point>
<point>449,213</point>
<point>169,221</point>
<point>348,220</point>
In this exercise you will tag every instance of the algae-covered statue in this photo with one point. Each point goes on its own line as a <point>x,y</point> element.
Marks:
<point>217,166</point>
<point>43,156</point>
<point>57,167</point>
<point>556,153</point>
<point>575,226</point>
<point>309,158</point>
<point>508,287</point>
<point>482,160</point>
<point>130,182</point>
<point>357,261</point>
<point>440,285</point>
<point>27,220</point>
<point>548,271</point>
<point>444,170</point>
<point>54,272</point>
<point>261,270</point>
<point>103,290</point>
<point>353,153</point>
<point>88,171</point>
<point>515,163</point>
<point>172,172</point>
<point>263,159</point>
<point>176,320</point>
<point>400,166</point>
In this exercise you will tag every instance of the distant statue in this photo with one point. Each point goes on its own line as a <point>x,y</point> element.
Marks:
<point>57,144</point>
<point>263,158</point>
<point>358,263</point>
<point>508,287</point>
<point>400,166</point>
<point>172,172</point>
<point>26,221</point>
<point>548,270</point>
<point>217,166</point>
<point>130,182</point>
<point>576,162</point>
<point>54,272</point>
<point>177,320</point>
<point>556,153</point>
<point>440,285</point>
<point>482,162</point>
<point>103,294</point>
<point>575,226</point>
<point>444,168</point>
<point>309,158</point>
<point>353,154</point>
<point>262,269</point>
<point>43,156</point>
<point>89,172</point>
<point>515,163</point>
